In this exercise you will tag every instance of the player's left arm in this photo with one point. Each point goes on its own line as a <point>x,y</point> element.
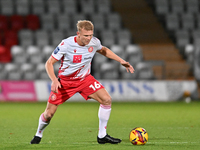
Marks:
<point>108,53</point>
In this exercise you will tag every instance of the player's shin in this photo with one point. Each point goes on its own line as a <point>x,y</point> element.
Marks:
<point>43,123</point>
<point>103,114</point>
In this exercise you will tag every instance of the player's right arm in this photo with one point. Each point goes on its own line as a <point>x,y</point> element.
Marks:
<point>50,71</point>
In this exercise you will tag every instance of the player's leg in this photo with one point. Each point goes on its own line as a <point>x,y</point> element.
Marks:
<point>44,121</point>
<point>104,99</point>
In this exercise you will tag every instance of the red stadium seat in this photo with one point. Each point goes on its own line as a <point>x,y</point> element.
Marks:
<point>32,22</point>
<point>5,55</point>
<point>4,25</point>
<point>10,38</point>
<point>17,22</point>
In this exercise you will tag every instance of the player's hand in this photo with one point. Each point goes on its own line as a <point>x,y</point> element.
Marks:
<point>129,68</point>
<point>55,85</point>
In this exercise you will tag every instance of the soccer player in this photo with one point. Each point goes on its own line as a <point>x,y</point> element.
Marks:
<point>76,53</point>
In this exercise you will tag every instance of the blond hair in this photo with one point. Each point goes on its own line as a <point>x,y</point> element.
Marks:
<point>85,24</point>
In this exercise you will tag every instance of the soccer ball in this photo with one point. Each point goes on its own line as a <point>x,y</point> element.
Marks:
<point>138,136</point>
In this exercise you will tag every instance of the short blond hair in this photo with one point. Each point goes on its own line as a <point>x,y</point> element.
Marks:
<point>85,24</point>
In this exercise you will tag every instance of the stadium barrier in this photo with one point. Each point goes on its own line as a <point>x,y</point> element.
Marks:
<point>123,90</point>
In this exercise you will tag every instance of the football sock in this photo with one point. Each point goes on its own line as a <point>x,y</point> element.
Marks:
<point>103,114</point>
<point>43,123</point>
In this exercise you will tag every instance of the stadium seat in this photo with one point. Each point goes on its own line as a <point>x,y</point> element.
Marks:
<point>87,6</point>
<point>18,54</point>
<point>195,34</point>
<point>38,7</point>
<point>177,6</point>
<point>22,7</point>
<point>2,72</point>
<point>56,67</point>
<point>11,38</point>
<point>12,71</point>
<point>127,75</point>
<point>144,71</point>
<point>182,39</point>
<point>172,21</point>
<point>32,22</point>
<point>189,54</point>
<point>7,7</point>
<point>119,50</point>
<point>96,63</point>
<point>17,22</point>
<point>42,38</point>
<point>5,55</point>
<point>123,37</point>
<point>133,54</point>
<point>162,7</point>
<point>63,22</point>
<point>109,70</point>
<point>76,17</point>
<point>114,21</point>
<point>70,7</point>
<point>71,32</point>
<point>28,71</point>
<point>103,6</point>
<point>26,37</point>
<point>192,6</point>
<point>34,54</point>
<point>47,51</point>
<point>197,64</point>
<point>56,37</point>
<point>53,7</point>
<point>187,21</point>
<point>108,37</point>
<point>4,25</point>
<point>99,21</point>
<point>41,71</point>
<point>47,22</point>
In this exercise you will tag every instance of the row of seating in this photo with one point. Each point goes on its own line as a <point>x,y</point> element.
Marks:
<point>42,37</point>
<point>25,7</point>
<point>163,7</point>
<point>18,22</point>
<point>28,71</point>
<point>29,64</point>
<point>187,21</point>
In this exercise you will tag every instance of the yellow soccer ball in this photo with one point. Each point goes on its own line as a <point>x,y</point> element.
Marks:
<point>138,136</point>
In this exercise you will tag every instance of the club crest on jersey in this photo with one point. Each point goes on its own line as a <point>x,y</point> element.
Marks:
<point>56,50</point>
<point>53,97</point>
<point>75,51</point>
<point>90,49</point>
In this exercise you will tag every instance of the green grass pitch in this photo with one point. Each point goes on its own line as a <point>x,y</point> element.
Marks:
<point>171,126</point>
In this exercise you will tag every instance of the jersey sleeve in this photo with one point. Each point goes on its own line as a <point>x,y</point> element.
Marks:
<point>99,46</point>
<point>59,51</point>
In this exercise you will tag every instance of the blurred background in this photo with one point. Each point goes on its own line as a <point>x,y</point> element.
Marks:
<point>160,38</point>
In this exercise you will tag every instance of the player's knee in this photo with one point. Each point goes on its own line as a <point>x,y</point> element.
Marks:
<point>107,101</point>
<point>48,115</point>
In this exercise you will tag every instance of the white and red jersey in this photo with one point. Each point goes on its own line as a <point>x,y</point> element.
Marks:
<point>75,59</point>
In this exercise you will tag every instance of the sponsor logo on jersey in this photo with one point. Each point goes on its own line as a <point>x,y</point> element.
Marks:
<point>56,50</point>
<point>77,58</point>
<point>90,49</point>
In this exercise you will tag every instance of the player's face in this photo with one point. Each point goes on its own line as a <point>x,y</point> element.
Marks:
<point>85,36</point>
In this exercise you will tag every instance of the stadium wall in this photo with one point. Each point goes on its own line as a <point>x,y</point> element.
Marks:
<point>119,90</point>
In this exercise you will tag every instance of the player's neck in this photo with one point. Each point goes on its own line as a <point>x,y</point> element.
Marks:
<point>78,41</point>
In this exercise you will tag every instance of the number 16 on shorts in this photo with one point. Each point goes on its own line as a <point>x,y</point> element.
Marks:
<point>95,86</point>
